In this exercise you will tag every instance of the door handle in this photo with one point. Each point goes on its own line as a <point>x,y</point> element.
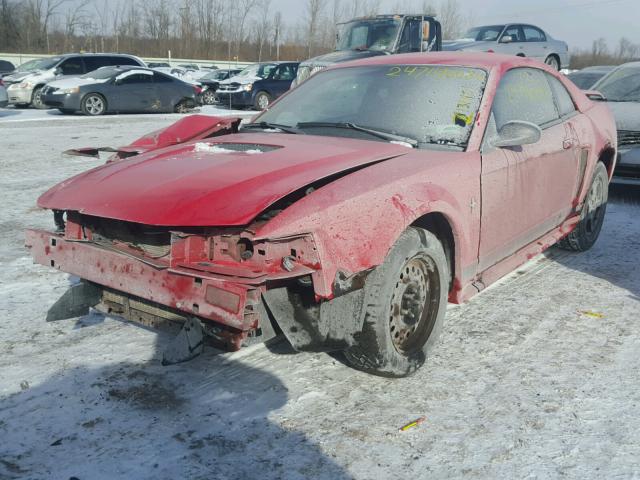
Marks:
<point>567,144</point>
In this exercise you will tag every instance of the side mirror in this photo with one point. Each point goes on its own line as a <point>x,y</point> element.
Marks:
<point>595,95</point>
<point>517,133</point>
<point>57,71</point>
<point>506,39</point>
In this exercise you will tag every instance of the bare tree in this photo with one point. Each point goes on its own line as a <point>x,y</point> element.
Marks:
<point>314,10</point>
<point>451,18</point>
<point>263,25</point>
<point>244,8</point>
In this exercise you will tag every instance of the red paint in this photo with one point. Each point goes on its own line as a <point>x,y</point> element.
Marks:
<point>503,207</point>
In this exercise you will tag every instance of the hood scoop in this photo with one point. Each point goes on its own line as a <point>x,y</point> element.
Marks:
<point>225,148</point>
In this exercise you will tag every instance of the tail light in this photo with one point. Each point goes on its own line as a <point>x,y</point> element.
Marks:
<point>490,51</point>
<point>1,83</point>
<point>197,89</point>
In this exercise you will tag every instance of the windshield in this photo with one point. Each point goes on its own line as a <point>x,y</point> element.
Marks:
<point>38,64</point>
<point>102,73</point>
<point>261,71</point>
<point>621,85</point>
<point>485,34</point>
<point>433,104</point>
<point>217,75</point>
<point>369,34</point>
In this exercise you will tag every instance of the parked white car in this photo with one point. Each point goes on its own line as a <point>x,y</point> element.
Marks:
<point>518,39</point>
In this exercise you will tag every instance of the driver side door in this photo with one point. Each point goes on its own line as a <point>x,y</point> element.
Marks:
<point>133,92</point>
<point>527,191</point>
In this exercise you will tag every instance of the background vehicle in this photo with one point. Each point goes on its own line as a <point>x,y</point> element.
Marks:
<point>257,85</point>
<point>210,84</point>
<point>120,89</point>
<point>336,213</point>
<point>6,68</point>
<point>4,98</point>
<point>25,84</point>
<point>621,90</point>
<point>158,65</point>
<point>518,39</point>
<point>379,35</point>
<point>587,77</point>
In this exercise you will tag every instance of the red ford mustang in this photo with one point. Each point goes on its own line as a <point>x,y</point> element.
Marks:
<point>346,215</point>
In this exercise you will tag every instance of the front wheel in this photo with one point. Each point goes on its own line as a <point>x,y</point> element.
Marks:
<point>36,99</point>
<point>209,97</point>
<point>592,216</point>
<point>262,101</point>
<point>553,62</point>
<point>405,300</point>
<point>183,106</point>
<point>93,104</point>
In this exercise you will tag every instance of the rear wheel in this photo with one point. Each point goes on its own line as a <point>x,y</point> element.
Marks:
<point>183,106</point>
<point>592,216</point>
<point>36,99</point>
<point>93,104</point>
<point>262,101</point>
<point>553,62</point>
<point>405,301</point>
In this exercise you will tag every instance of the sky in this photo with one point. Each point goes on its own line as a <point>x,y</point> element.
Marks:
<point>578,22</point>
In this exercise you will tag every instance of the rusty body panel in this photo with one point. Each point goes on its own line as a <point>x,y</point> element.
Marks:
<point>318,212</point>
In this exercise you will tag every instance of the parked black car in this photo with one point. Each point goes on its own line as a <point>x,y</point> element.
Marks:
<point>6,67</point>
<point>587,77</point>
<point>121,89</point>
<point>621,89</point>
<point>210,83</point>
<point>257,85</point>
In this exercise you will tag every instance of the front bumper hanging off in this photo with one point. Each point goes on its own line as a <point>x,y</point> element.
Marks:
<point>137,289</point>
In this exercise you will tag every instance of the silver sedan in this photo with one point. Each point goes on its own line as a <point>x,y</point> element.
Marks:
<point>514,39</point>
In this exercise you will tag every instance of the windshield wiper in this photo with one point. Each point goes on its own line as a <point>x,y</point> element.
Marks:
<point>275,126</point>
<point>391,137</point>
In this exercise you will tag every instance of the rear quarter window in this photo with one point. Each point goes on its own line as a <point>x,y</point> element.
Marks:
<point>563,98</point>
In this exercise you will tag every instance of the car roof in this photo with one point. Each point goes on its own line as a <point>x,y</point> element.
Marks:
<point>482,60</point>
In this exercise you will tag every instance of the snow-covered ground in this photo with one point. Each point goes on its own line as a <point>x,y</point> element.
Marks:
<point>523,385</point>
<point>11,114</point>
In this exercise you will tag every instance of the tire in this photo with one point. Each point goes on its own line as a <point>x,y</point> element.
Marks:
<point>36,99</point>
<point>584,236</point>
<point>93,104</point>
<point>209,97</point>
<point>405,301</point>
<point>553,62</point>
<point>183,106</point>
<point>262,101</point>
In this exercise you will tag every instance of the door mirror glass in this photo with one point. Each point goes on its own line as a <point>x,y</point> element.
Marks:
<point>506,39</point>
<point>517,133</point>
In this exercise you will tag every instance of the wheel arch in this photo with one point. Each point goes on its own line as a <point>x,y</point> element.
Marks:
<point>608,157</point>
<point>441,226</point>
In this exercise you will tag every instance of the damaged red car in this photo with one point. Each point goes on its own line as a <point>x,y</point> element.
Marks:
<point>345,216</point>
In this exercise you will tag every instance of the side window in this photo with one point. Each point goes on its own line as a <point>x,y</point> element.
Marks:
<point>524,94</point>
<point>285,72</point>
<point>410,39</point>
<point>515,32</point>
<point>94,63</point>
<point>563,98</point>
<point>136,78</point>
<point>72,66</point>
<point>533,34</point>
<point>160,78</point>
<point>123,61</point>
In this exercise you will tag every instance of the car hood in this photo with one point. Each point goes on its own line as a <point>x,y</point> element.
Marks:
<point>341,56</point>
<point>627,115</point>
<point>19,76</point>
<point>198,184</point>
<point>466,44</point>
